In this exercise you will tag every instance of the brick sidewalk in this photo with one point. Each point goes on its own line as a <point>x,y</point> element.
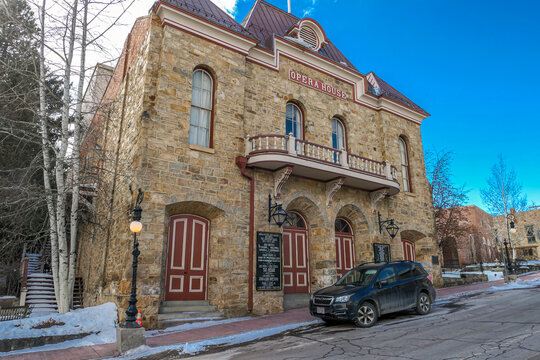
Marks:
<point>217,331</point>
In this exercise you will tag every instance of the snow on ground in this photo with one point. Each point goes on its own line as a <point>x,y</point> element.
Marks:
<point>456,274</point>
<point>518,284</point>
<point>98,320</point>
<point>191,326</point>
<point>7,297</point>
<point>198,346</point>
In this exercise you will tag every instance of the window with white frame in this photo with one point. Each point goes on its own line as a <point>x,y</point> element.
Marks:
<point>293,121</point>
<point>405,171</point>
<point>338,134</point>
<point>200,125</point>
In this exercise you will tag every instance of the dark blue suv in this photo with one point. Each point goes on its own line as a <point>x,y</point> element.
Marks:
<point>374,289</point>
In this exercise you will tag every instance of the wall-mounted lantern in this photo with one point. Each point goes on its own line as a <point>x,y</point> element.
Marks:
<point>276,212</point>
<point>391,226</point>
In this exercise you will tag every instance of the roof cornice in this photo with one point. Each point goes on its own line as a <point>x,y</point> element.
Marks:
<point>201,27</point>
<point>298,53</point>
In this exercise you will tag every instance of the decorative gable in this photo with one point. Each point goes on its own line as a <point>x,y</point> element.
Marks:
<point>310,34</point>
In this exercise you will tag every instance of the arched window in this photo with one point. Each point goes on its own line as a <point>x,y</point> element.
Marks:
<point>200,125</point>
<point>338,134</point>
<point>293,121</point>
<point>342,226</point>
<point>405,170</point>
<point>295,220</point>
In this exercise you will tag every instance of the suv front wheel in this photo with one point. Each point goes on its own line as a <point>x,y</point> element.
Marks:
<point>366,316</point>
<point>423,304</point>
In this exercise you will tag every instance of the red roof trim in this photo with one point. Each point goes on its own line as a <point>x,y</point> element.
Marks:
<point>320,56</point>
<point>165,4</point>
<point>193,32</point>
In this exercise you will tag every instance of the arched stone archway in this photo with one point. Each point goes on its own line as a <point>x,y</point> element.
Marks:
<point>358,219</point>
<point>228,247</point>
<point>309,206</point>
<point>412,235</point>
<point>322,258</point>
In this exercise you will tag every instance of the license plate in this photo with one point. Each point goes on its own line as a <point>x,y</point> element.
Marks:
<point>320,310</point>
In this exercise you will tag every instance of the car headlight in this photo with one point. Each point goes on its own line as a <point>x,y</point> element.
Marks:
<point>343,298</point>
<point>312,297</point>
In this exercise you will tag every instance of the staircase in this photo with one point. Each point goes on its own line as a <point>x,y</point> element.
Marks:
<point>172,313</point>
<point>40,286</point>
<point>78,293</point>
<point>40,294</point>
<point>34,263</point>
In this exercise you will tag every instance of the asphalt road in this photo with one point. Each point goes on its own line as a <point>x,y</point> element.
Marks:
<point>499,325</point>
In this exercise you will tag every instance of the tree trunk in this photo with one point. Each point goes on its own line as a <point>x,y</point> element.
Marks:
<point>63,268</point>
<point>46,157</point>
<point>75,161</point>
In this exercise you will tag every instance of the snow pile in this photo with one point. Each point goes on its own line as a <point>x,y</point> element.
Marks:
<point>518,284</point>
<point>194,325</point>
<point>195,347</point>
<point>456,274</point>
<point>100,321</point>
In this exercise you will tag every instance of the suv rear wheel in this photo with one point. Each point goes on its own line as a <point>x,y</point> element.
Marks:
<point>366,316</point>
<point>423,304</point>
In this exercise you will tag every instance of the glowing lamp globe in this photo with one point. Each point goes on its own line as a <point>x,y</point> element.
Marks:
<point>135,226</point>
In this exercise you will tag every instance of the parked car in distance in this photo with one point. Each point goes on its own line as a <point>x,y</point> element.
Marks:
<point>373,289</point>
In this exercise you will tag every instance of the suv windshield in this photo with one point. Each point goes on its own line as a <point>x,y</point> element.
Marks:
<point>358,277</point>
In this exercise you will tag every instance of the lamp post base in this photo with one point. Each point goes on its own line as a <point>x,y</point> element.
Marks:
<point>129,338</point>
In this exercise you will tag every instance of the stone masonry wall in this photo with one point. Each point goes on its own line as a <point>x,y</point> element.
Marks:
<point>154,153</point>
<point>370,134</point>
<point>523,248</point>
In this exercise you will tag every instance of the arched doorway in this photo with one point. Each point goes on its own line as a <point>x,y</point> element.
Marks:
<point>408,250</point>
<point>187,258</point>
<point>344,247</point>
<point>295,255</point>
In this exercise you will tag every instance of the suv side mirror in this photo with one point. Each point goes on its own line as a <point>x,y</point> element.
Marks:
<point>382,283</point>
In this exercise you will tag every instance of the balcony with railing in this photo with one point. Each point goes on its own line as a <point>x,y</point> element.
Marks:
<point>319,162</point>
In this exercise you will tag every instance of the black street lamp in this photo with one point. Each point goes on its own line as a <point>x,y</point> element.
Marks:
<point>391,228</point>
<point>135,226</point>
<point>276,212</point>
<point>510,226</point>
<point>508,259</point>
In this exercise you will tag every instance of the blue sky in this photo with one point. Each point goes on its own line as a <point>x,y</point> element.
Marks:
<point>473,65</point>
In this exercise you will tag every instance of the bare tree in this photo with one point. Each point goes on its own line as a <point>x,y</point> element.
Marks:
<point>504,193</point>
<point>23,212</point>
<point>448,199</point>
<point>503,190</point>
<point>67,30</point>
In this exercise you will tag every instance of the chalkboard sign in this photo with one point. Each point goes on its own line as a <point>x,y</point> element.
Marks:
<point>268,274</point>
<point>381,253</point>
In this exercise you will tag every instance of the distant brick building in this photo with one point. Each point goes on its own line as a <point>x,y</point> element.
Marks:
<point>481,244</point>
<point>478,245</point>
<point>210,117</point>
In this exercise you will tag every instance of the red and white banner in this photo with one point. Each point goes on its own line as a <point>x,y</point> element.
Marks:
<point>317,85</point>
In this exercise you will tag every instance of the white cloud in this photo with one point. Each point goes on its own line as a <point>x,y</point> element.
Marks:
<point>307,11</point>
<point>229,6</point>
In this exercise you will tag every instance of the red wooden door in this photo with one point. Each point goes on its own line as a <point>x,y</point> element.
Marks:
<point>344,247</point>
<point>295,256</point>
<point>408,250</point>
<point>187,258</point>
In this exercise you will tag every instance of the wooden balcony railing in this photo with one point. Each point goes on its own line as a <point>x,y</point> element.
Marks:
<point>272,143</point>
